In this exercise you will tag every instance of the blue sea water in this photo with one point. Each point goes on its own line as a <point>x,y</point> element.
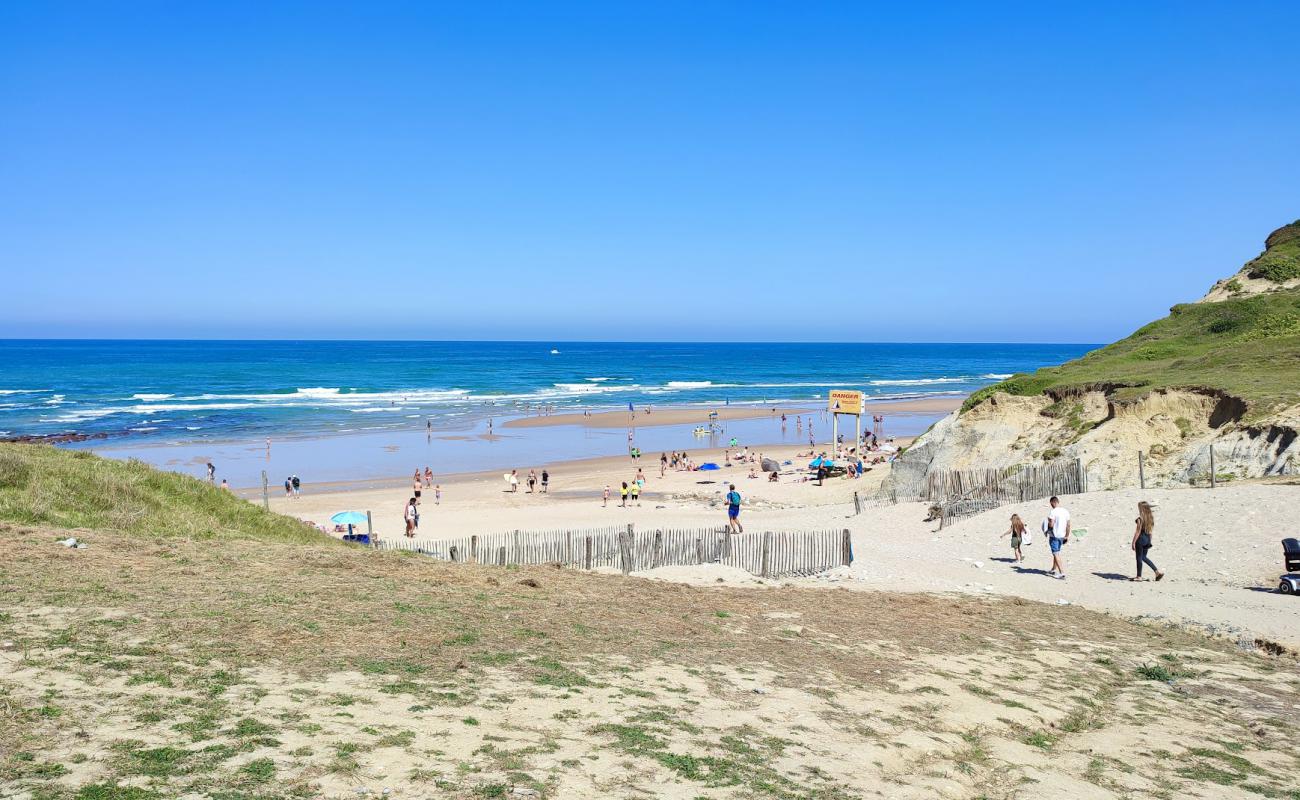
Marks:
<point>143,392</point>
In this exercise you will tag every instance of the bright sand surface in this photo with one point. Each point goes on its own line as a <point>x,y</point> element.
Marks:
<point>670,415</point>
<point>1220,548</point>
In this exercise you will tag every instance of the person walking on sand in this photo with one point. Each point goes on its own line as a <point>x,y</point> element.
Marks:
<point>437,494</point>
<point>546,482</point>
<point>514,480</point>
<point>733,510</point>
<point>1017,534</point>
<point>1057,526</point>
<point>417,486</point>
<point>212,473</point>
<point>1145,525</point>
<point>622,502</point>
<point>532,480</point>
<point>297,485</point>
<point>635,489</point>
<point>288,487</point>
<point>428,477</point>
<point>408,514</point>
<point>605,501</point>
<point>663,464</point>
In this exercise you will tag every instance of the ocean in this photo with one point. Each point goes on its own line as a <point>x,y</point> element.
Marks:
<point>155,392</point>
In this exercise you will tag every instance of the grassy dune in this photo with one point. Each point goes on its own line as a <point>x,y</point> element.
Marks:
<point>202,648</point>
<point>1247,347</point>
<point>43,485</point>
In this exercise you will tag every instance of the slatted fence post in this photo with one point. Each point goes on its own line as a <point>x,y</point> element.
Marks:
<point>657,560</point>
<point>699,550</point>
<point>1213,477</point>
<point>625,550</point>
<point>767,554</point>
<point>501,556</point>
<point>370,528</point>
<point>586,558</point>
<point>473,548</point>
<point>1142,473</point>
<point>857,504</point>
<point>846,548</point>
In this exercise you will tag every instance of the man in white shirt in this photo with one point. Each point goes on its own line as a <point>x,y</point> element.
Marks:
<point>1058,533</point>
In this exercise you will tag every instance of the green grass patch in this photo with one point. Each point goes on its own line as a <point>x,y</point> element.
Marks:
<point>44,485</point>
<point>1248,347</point>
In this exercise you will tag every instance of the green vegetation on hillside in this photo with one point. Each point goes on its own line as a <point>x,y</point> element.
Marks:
<point>1248,347</point>
<point>1280,260</point>
<point>43,485</point>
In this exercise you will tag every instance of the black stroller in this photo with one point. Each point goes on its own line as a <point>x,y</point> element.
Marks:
<point>1290,583</point>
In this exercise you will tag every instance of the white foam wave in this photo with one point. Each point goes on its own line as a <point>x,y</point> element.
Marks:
<point>151,397</point>
<point>25,391</point>
<point>688,384</point>
<point>917,381</point>
<point>996,376</point>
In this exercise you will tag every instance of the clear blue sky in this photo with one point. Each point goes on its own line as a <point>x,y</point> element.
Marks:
<point>696,170</point>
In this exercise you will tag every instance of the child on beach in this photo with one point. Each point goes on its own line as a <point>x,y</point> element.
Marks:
<point>605,502</point>
<point>428,477</point>
<point>622,503</point>
<point>1017,534</point>
<point>546,482</point>
<point>635,489</point>
<point>437,494</point>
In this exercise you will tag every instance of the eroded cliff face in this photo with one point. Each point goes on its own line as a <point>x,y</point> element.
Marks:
<point>1173,429</point>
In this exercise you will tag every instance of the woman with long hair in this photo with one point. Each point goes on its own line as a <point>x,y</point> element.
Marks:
<point>1017,534</point>
<point>1145,526</point>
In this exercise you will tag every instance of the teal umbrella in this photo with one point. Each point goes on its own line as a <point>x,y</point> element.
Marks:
<point>349,518</point>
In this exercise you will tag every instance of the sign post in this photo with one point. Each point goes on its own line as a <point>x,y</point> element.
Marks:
<point>843,401</point>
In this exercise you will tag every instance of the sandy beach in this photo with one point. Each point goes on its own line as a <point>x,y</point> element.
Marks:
<point>1220,548</point>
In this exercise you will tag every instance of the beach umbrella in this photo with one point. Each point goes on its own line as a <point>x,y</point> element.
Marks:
<point>349,518</point>
<point>709,466</point>
<point>821,462</point>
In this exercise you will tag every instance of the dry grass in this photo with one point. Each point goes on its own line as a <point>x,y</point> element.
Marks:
<point>238,669</point>
<point>328,608</point>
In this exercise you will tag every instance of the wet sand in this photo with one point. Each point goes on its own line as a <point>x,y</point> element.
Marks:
<point>700,416</point>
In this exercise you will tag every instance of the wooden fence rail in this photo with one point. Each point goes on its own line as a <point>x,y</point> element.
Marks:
<point>769,554</point>
<point>964,493</point>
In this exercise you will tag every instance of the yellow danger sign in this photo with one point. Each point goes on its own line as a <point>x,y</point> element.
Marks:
<point>844,401</point>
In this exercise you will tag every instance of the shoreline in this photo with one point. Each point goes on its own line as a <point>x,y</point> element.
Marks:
<point>678,415</point>
<point>384,457</point>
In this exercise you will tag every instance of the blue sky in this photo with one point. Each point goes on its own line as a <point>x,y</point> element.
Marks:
<point>696,170</point>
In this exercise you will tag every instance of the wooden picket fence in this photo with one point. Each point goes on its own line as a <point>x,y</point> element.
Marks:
<point>769,554</point>
<point>965,493</point>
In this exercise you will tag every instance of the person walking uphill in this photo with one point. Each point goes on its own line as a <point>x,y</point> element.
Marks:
<point>733,510</point>
<point>1145,525</point>
<point>1057,527</point>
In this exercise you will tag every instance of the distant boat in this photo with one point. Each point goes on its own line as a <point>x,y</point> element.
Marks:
<point>554,352</point>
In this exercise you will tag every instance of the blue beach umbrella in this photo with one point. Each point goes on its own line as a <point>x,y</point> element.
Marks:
<point>821,462</point>
<point>349,518</point>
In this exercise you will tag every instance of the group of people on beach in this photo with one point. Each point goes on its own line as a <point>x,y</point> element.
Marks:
<point>1057,527</point>
<point>419,482</point>
<point>533,481</point>
<point>629,492</point>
